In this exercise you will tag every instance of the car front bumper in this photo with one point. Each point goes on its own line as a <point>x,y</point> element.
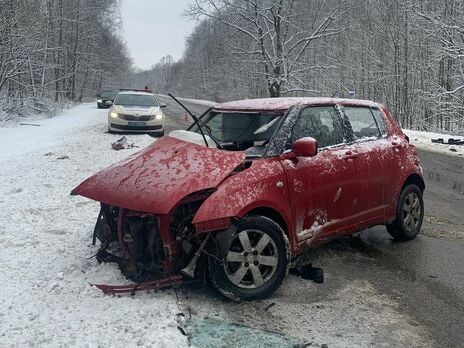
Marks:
<point>137,129</point>
<point>135,125</point>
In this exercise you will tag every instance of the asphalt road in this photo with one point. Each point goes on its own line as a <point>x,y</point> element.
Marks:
<point>176,115</point>
<point>424,276</point>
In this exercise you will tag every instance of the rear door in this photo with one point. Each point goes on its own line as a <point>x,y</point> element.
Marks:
<point>322,190</point>
<point>370,144</point>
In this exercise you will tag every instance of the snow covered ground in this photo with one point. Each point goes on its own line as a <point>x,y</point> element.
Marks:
<point>46,265</point>
<point>46,297</point>
<point>423,140</point>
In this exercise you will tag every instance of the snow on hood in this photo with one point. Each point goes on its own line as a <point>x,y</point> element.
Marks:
<point>192,137</point>
<point>157,178</point>
<point>130,110</point>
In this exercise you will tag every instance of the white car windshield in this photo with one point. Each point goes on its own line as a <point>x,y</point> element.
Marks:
<point>136,100</point>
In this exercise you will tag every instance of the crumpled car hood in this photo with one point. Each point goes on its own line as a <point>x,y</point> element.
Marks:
<point>157,178</point>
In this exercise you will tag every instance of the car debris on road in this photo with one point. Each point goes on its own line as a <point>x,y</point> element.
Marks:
<point>122,144</point>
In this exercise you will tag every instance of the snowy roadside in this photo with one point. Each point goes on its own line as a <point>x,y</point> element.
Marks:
<point>45,239</point>
<point>423,140</point>
<point>53,109</point>
<point>45,242</point>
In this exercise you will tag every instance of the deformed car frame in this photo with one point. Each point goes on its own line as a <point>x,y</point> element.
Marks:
<point>274,178</point>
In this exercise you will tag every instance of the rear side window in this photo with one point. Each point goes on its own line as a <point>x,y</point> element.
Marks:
<point>362,122</point>
<point>321,123</point>
<point>380,122</point>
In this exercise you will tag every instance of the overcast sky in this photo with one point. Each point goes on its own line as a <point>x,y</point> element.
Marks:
<point>155,28</point>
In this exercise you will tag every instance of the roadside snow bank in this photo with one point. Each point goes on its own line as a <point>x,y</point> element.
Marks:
<point>423,140</point>
<point>31,112</point>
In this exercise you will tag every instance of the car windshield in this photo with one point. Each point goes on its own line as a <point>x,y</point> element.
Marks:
<point>135,100</point>
<point>238,131</point>
<point>108,94</point>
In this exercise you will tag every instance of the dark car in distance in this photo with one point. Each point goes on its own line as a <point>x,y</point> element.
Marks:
<point>105,99</point>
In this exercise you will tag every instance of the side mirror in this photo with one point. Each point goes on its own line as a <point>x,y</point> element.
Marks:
<point>305,147</point>
<point>162,105</point>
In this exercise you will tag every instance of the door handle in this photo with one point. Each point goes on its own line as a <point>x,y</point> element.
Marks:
<point>349,155</point>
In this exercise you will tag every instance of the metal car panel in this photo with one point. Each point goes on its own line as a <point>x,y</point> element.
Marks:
<point>158,177</point>
<point>263,185</point>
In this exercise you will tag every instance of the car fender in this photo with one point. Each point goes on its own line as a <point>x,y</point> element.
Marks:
<point>412,175</point>
<point>262,186</point>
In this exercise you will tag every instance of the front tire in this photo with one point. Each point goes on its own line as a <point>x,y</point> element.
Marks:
<point>409,214</point>
<point>252,259</point>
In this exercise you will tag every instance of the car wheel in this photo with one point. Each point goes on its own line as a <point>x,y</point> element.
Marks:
<point>251,259</point>
<point>409,214</point>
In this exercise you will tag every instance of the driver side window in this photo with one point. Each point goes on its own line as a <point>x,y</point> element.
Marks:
<point>320,123</point>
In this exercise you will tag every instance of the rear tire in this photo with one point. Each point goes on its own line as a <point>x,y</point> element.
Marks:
<point>409,214</point>
<point>252,259</point>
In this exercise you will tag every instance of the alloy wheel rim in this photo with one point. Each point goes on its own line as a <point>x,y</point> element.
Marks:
<point>412,212</point>
<point>251,260</point>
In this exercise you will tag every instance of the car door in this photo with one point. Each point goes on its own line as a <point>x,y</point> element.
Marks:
<point>393,156</point>
<point>370,145</point>
<point>321,188</point>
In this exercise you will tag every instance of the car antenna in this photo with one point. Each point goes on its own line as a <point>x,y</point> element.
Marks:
<point>195,119</point>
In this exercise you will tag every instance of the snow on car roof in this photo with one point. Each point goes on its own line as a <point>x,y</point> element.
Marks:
<point>280,104</point>
<point>135,92</point>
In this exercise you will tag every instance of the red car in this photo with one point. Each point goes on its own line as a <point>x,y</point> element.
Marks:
<point>256,183</point>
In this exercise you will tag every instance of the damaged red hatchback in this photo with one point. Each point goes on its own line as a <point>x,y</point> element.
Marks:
<point>256,183</point>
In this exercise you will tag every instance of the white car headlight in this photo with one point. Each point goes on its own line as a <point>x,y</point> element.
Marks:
<point>159,116</point>
<point>99,101</point>
<point>114,114</point>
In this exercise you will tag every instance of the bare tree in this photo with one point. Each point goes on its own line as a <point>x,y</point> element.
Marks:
<point>57,50</point>
<point>276,37</point>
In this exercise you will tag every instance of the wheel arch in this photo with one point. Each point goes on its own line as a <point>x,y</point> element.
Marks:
<point>414,179</point>
<point>270,213</point>
<point>276,216</point>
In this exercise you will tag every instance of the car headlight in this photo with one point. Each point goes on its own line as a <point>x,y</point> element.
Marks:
<point>159,116</point>
<point>114,114</point>
<point>99,101</point>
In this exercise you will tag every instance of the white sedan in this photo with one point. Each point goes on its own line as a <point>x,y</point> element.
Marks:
<point>136,112</point>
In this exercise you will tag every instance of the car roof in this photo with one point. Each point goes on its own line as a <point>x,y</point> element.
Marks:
<point>282,104</point>
<point>137,93</point>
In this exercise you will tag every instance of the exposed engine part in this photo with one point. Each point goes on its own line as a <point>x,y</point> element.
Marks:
<point>106,226</point>
<point>144,249</point>
<point>189,270</point>
<point>142,237</point>
<point>182,227</point>
<point>182,217</point>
